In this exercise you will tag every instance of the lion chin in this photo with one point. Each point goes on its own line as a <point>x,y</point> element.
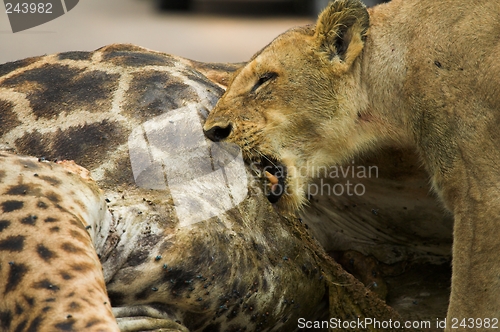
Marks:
<point>280,183</point>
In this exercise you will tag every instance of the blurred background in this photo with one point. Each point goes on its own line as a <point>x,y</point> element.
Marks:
<point>204,30</point>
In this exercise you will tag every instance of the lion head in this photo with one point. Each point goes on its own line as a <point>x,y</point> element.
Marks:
<point>296,104</point>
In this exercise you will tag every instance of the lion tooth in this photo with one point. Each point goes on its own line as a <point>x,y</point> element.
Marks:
<point>273,179</point>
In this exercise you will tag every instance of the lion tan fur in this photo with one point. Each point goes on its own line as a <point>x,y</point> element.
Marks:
<point>418,73</point>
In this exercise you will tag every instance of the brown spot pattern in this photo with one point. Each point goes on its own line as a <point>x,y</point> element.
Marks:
<point>16,274</point>
<point>53,197</point>
<point>18,190</point>
<point>42,205</point>
<point>51,180</point>
<point>5,320</point>
<point>129,58</point>
<point>71,248</point>
<point>161,93</point>
<point>83,238</point>
<point>35,324</point>
<point>11,66</point>
<point>66,276</point>
<point>21,326</point>
<point>46,284</point>
<point>12,243</point>
<point>4,224</point>
<point>82,267</point>
<point>11,205</point>
<point>87,145</point>
<point>66,326</point>
<point>75,55</point>
<point>45,253</point>
<point>29,220</point>
<point>8,120</point>
<point>93,322</point>
<point>55,86</point>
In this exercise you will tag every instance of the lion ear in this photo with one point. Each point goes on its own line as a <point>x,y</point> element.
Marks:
<point>341,30</point>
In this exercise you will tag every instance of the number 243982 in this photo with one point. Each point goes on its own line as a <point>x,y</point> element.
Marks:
<point>28,8</point>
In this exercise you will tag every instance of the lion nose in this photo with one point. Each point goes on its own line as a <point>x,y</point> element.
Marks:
<point>218,133</point>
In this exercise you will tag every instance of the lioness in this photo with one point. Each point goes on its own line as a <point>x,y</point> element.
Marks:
<point>414,72</point>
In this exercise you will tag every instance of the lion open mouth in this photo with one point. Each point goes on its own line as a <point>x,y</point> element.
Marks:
<point>275,173</point>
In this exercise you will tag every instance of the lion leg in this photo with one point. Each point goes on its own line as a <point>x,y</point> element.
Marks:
<point>476,276</point>
<point>50,276</point>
